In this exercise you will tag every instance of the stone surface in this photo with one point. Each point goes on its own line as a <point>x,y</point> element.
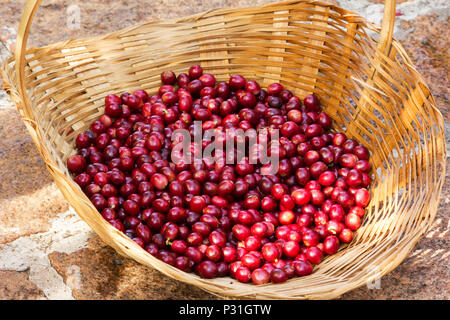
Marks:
<point>98,272</point>
<point>383,1</point>
<point>428,45</point>
<point>67,234</point>
<point>46,251</point>
<point>16,285</point>
<point>28,196</point>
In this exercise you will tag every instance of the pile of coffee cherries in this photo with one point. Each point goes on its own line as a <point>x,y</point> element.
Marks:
<point>211,217</point>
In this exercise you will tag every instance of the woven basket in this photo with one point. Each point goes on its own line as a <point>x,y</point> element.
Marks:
<point>369,87</point>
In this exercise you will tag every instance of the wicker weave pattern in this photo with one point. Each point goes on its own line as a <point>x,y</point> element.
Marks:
<point>376,96</point>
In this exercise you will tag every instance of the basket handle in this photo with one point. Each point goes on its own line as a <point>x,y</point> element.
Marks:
<point>387,27</point>
<point>21,46</point>
<point>384,44</point>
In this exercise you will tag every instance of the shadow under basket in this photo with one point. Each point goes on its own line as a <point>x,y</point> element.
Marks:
<point>364,78</point>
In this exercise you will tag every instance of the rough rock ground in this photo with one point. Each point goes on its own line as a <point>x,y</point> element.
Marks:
<point>47,252</point>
